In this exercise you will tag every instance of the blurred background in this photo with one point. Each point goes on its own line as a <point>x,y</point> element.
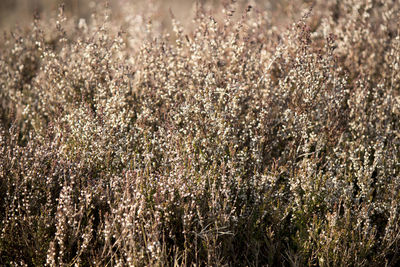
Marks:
<point>21,12</point>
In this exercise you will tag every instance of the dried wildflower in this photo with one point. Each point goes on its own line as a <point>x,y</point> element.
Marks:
<point>244,139</point>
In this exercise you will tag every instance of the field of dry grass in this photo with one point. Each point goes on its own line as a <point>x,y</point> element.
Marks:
<point>223,133</point>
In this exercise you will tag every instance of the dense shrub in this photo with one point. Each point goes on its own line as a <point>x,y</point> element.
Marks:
<point>258,138</point>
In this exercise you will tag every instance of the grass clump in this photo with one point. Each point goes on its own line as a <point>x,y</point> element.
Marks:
<point>241,140</point>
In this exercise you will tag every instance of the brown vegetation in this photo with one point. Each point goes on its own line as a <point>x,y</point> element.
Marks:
<point>264,138</point>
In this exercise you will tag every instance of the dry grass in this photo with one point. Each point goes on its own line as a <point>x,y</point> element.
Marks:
<point>264,138</point>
